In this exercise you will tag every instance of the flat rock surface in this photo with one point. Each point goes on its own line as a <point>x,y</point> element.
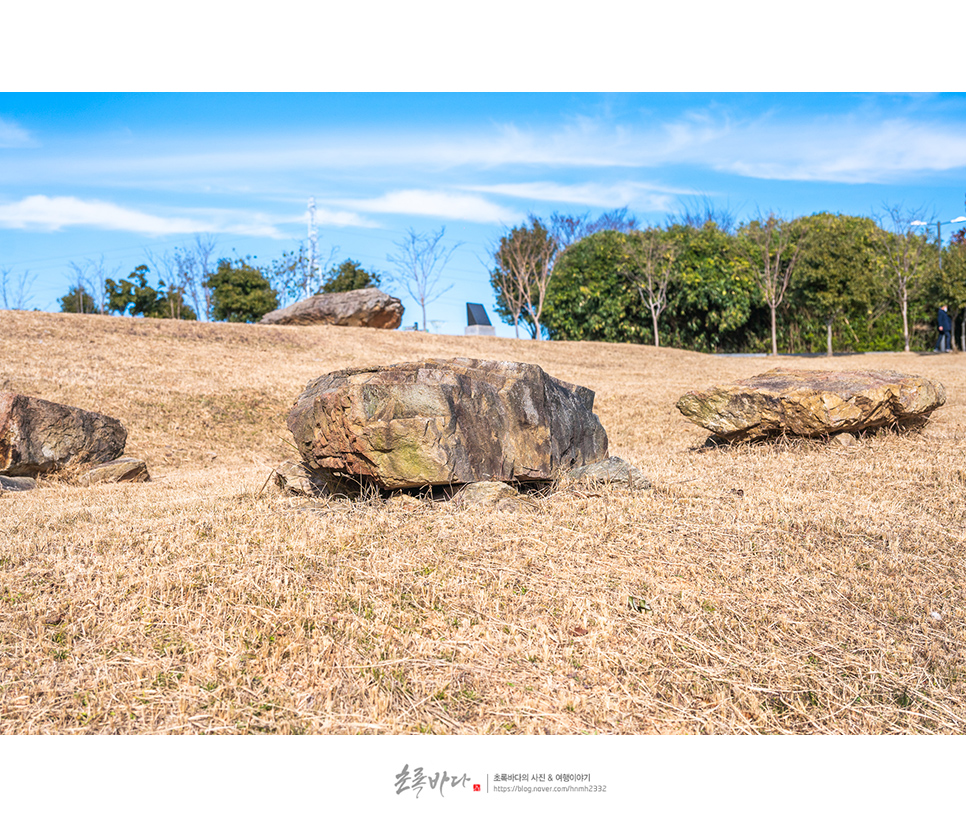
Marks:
<point>16,484</point>
<point>445,422</point>
<point>356,308</point>
<point>291,477</point>
<point>612,470</point>
<point>812,403</point>
<point>122,470</point>
<point>37,436</point>
<point>485,494</point>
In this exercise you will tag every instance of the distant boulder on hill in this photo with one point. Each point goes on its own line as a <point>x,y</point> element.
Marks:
<point>356,308</point>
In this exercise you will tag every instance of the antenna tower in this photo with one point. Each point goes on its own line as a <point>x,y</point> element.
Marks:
<point>313,241</point>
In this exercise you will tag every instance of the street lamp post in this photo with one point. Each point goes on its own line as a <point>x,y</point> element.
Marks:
<point>939,234</point>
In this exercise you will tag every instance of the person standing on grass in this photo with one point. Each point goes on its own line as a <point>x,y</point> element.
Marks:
<point>944,344</point>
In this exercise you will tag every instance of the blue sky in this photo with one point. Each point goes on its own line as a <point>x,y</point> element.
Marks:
<point>83,175</point>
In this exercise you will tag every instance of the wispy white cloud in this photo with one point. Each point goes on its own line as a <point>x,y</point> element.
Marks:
<point>852,153</point>
<point>850,147</point>
<point>51,213</point>
<point>13,135</point>
<point>644,196</point>
<point>443,204</point>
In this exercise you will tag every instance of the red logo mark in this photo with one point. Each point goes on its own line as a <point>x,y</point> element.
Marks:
<point>476,787</point>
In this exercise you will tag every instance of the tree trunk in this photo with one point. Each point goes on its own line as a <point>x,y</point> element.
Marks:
<point>657,340</point>
<point>828,345</point>
<point>774,331</point>
<point>905,320</point>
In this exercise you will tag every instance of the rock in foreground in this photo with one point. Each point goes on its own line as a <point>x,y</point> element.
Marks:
<point>445,422</point>
<point>37,436</point>
<point>812,403</point>
<point>356,308</point>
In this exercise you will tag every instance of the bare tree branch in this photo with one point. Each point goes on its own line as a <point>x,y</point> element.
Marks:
<point>772,238</point>
<point>15,290</point>
<point>651,258</point>
<point>905,252</point>
<point>419,262</point>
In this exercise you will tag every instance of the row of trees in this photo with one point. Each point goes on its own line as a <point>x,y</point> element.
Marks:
<point>191,283</point>
<point>699,281</point>
<point>234,290</point>
<point>822,282</point>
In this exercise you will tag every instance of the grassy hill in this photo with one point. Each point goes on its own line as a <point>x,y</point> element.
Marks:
<point>789,588</point>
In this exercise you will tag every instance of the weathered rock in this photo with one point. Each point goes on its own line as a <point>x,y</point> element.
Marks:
<point>16,484</point>
<point>37,436</point>
<point>812,403</point>
<point>130,470</point>
<point>356,308</point>
<point>844,439</point>
<point>291,477</point>
<point>485,494</point>
<point>610,471</point>
<point>445,422</point>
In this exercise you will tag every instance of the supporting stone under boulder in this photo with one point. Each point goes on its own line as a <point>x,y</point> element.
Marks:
<point>812,403</point>
<point>441,422</point>
<point>37,436</point>
<point>21,484</point>
<point>122,470</point>
<point>614,471</point>
<point>356,308</point>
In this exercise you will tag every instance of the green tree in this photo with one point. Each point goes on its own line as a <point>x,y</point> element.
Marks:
<point>954,279</point>
<point>591,295</point>
<point>714,304</point>
<point>136,297</point>
<point>240,292</point>
<point>78,300</point>
<point>836,277</point>
<point>132,295</point>
<point>349,275</point>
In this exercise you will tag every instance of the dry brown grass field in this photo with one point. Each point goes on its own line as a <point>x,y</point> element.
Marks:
<point>790,587</point>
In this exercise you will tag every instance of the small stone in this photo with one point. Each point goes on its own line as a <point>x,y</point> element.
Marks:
<point>404,499</point>
<point>609,471</point>
<point>485,494</point>
<point>122,470</point>
<point>843,439</point>
<point>291,477</point>
<point>16,484</point>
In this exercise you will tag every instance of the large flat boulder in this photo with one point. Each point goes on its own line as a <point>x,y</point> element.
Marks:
<point>37,436</point>
<point>812,403</point>
<point>445,422</point>
<point>356,308</point>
